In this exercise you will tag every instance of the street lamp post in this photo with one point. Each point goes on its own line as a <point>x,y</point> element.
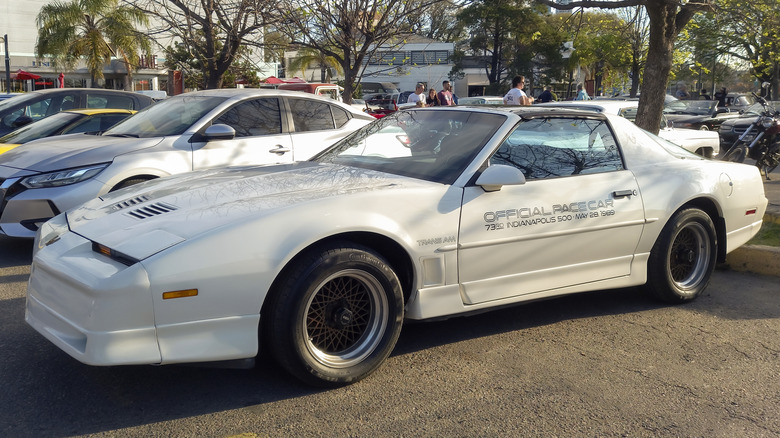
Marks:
<point>7,66</point>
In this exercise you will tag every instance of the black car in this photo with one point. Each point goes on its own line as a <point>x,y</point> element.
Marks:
<point>731,129</point>
<point>697,114</point>
<point>29,107</point>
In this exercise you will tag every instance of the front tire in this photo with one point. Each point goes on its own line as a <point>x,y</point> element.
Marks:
<point>736,154</point>
<point>683,258</point>
<point>336,315</point>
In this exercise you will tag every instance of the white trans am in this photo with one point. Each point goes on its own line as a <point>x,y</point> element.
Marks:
<point>191,131</point>
<point>426,213</point>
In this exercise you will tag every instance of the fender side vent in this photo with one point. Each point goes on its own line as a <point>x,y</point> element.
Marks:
<point>151,210</point>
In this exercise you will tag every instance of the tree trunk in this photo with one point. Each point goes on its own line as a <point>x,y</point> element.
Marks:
<point>663,32</point>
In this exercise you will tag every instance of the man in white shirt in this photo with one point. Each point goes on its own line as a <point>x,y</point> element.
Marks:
<point>516,96</point>
<point>418,96</point>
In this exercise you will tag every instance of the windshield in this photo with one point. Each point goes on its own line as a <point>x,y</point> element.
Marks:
<point>169,117</point>
<point>429,144</point>
<point>42,128</point>
<point>694,107</point>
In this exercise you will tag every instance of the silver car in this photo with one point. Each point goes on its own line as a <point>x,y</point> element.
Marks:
<point>191,131</point>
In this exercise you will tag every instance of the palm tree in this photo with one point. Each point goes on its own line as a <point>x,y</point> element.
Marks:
<point>328,65</point>
<point>94,30</point>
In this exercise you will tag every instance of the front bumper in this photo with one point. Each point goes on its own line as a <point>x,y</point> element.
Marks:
<point>97,310</point>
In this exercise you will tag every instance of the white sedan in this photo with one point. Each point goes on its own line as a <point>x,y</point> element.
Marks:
<point>318,263</point>
<point>191,131</point>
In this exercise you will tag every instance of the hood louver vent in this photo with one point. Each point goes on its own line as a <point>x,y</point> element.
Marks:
<point>151,210</point>
<point>130,202</point>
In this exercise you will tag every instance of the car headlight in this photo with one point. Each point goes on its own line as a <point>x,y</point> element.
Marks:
<point>62,177</point>
<point>51,231</point>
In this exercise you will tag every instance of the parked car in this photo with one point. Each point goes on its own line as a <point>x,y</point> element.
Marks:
<point>65,122</point>
<point>739,101</point>
<point>332,91</point>
<point>35,105</point>
<point>704,143</point>
<point>481,100</point>
<point>190,131</point>
<point>4,96</point>
<point>730,130</point>
<point>697,114</point>
<point>318,263</point>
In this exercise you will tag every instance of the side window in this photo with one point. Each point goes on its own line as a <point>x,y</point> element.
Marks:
<point>109,101</point>
<point>310,115</point>
<point>254,117</point>
<point>340,115</point>
<point>556,147</point>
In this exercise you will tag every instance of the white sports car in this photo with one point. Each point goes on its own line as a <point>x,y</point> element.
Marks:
<point>426,213</point>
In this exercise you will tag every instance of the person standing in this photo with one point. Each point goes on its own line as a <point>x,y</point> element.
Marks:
<point>418,97</point>
<point>547,95</point>
<point>581,93</point>
<point>432,99</point>
<point>516,95</point>
<point>445,95</point>
<point>704,95</point>
<point>720,96</point>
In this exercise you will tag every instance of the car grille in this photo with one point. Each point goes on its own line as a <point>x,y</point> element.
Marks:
<point>151,210</point>
<point>7,189</point>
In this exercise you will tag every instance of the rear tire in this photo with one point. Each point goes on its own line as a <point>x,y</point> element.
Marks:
<point>336,315</point>
<point>736,154</point>
<point>683,258</point>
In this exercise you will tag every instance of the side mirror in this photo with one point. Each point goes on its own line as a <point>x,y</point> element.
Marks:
<point>219,132</point>
<point>21,121</point>
<point>499,175</point>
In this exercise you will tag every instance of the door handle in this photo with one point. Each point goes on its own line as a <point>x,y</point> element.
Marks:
<point>279,150</point>
<point>623,193</point>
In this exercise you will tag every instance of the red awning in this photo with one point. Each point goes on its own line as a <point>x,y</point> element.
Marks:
<point>22,75</point>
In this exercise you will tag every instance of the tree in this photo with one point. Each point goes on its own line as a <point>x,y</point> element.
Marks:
<point>179,58</point>
<point>212,31</point>
<point>666,21</point>
<point>94,30</point>
<point>328,65</point>
<point>349,31</point>
<point>494,25</point>
<point>749,34</point>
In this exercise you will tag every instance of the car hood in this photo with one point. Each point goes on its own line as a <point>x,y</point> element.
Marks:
<point>68,151</point>
<point>147,218</point>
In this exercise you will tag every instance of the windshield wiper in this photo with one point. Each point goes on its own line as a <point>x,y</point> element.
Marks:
<point>123,135</point>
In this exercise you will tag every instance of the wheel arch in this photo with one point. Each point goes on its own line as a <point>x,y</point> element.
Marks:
<point>145,177</point>
<point>392,251</point>
<point>710,207</point>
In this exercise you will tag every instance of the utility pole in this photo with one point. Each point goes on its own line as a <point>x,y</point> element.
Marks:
<point>7,66</point>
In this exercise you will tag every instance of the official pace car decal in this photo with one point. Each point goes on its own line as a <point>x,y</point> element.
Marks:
<point>525,216</point>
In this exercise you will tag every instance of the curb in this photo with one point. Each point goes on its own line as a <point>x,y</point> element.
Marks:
<point>757,259</point>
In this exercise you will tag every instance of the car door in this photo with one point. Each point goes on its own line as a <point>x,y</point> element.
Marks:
<point>577,219</point>
<point>315,126</point>
<point>260,137</point>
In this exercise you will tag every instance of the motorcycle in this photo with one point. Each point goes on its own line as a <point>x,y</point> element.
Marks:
<point>760,141</point>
